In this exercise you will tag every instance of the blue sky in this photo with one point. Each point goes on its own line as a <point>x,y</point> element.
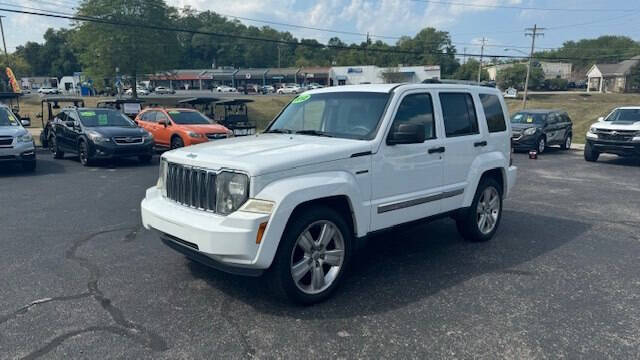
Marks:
<point>504,27</point>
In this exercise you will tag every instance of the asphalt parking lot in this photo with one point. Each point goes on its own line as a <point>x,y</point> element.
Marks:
<point>80,278</point>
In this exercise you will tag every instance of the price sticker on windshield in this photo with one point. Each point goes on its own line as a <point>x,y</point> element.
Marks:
<point>301,98</point>
<point>529,119</point>
<point>88,113</point>
<point>102,119</point>
<point>173,112</point>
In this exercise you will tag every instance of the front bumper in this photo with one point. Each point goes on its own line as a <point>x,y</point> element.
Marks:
<point>107,151</point>
<point>229,241</point>
<point>622,148</point>
<point>529,142</point>
<point>20,152</point>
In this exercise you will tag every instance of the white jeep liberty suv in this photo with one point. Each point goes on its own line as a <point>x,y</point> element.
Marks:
<point>335,165</point>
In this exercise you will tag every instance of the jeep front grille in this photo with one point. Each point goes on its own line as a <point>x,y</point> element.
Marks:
<point>191,186</point>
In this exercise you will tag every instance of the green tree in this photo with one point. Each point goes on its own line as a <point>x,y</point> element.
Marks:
<point>584,53</point>
<point>516,75</point>
<point>101,48</point>
<point>469,71</point>
<point>55,57</point>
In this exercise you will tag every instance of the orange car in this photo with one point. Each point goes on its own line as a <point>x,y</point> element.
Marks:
<point>175,128</point>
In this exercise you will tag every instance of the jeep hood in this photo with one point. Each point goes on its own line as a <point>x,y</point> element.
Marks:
<point>266,153</point>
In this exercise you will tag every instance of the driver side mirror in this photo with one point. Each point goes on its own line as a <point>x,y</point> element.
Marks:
<point>25,122</point>
<point>601,118</point>
<point>70,123</point>
<point>407,134</point>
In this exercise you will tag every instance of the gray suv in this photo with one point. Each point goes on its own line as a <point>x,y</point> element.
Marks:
<point>16,143</point>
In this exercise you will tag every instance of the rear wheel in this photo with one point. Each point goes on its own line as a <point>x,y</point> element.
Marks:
<point>313,256</point>
<point>480,221</point>
<point>566,145</point>
<point>590,154</point>
<point>542,144</point>
<point>176,143</point>
<point>83,154</point>
<point>53,147</point>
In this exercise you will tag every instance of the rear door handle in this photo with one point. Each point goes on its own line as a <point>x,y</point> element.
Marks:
<point>480,143</point>
<point>436,150</point>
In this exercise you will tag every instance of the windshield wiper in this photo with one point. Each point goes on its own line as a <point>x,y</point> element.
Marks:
<point>313,132</point>
<point>280,131</point>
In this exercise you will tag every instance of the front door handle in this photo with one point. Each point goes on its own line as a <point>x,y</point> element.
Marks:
<point>436,150</point>
<point>480,143</point>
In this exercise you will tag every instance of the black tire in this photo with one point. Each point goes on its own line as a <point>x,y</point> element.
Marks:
<point>176,142</point>
<point>84,155</point>
<point>53,147</point>
<point>29,166</point>
<point>566,144</point>
<point>279,275</point>
<point>541,144</point>
<point>145,159</point>
<point>467,220</point>
<point>590,154</point>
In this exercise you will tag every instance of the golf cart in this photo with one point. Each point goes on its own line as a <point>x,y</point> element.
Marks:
<point>53,104</point>
<point>203,104</point>
<point>12,100</point>
<point>129,107</point>
<point>233,115</point>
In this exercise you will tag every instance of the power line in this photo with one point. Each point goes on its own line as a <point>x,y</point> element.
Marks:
<point>515,7</point>
<point>47,13</point>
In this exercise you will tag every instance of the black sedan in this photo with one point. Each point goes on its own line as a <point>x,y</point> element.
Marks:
<point>98,133</point>
<point>538,129</point>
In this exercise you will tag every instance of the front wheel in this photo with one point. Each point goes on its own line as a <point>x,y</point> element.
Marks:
<point>590,154</point>
<point>313,256</point>
<point>176,143</point>
<point>480,221</point>
<point>566,145</point>
<point>542,144</point>
<point>83,154</point>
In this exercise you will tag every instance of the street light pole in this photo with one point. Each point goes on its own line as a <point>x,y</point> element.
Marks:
<point>533,32</point>
<point>484,41</point>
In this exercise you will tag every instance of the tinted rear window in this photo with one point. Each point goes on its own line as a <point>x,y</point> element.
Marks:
<point>493,112</point>
<point>459,114</point>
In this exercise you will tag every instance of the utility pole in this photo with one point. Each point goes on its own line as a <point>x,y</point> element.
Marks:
<point>534,32</point>
<point>484,42</point>
<point>4,42</point>
<point>366,54</point>
<point>278,55</point>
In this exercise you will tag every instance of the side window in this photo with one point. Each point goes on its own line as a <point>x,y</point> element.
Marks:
<point>552,118</point>
<point>72,116</point>
<point>493,112</point>
<point>417,109</point>
<point>62,116</point>
<point>149,116</point>
<point>459,114</point>
<point>160,116</point>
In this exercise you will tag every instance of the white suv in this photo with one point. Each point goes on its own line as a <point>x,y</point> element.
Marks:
<point>336,165</point>
<point>618,133</point>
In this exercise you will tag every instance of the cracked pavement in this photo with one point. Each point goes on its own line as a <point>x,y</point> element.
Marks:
<point>80,278</point>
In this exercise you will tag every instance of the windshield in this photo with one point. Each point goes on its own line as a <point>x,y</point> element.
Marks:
<point>528,118</point>
<point>7,118</point>
<point>188,118</point>
<point>104,117</point>
<point>630,115</point>
<point>353,115</point>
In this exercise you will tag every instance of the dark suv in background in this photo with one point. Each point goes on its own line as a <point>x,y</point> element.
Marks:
<point>537,129</point>
<point>98,133</point>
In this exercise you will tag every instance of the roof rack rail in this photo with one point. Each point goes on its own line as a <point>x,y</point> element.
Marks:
<point>459,82</point>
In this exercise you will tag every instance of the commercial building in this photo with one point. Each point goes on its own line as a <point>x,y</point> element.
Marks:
<point>370,74</point>
<point>551,70</point>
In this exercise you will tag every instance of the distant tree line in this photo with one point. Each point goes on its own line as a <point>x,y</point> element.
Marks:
<point>100,49</point>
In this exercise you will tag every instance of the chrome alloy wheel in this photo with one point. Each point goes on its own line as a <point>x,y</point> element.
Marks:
<point>317,257</point>
<point>488,210</point>
<point>567,142</point>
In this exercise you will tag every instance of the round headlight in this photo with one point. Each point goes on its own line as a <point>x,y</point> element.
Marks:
<point>232,191</point>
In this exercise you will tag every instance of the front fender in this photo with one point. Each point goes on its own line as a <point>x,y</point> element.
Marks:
<point>480,165</point>
<point>290,192</point>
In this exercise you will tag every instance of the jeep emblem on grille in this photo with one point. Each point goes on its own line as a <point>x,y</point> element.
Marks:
<point>192,155</point>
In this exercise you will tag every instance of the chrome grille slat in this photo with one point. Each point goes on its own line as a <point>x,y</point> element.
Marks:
<point>191,186</point>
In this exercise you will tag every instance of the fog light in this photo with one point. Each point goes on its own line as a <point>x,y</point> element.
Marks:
<point>261,230</point>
